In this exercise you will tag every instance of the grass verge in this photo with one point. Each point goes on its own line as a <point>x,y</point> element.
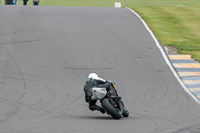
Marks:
<point>175,25</point>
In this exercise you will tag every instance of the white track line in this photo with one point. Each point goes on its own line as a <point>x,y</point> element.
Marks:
<point>165,56</point>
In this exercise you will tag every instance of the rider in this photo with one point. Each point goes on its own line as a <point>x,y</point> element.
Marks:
<point>95,81</point>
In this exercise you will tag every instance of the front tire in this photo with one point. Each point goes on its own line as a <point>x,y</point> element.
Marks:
<point>110,109</point>
<point>125,113</point>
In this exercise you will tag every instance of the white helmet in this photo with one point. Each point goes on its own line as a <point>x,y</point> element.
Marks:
<point>93,76</point>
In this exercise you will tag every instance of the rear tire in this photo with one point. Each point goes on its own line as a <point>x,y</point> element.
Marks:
<point>110,109</point>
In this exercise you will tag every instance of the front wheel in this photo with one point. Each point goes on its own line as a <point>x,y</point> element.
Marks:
<point>125,112</point>
<point>110,109</point>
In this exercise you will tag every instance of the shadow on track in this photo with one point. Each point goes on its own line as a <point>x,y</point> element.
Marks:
<point>100,118</point>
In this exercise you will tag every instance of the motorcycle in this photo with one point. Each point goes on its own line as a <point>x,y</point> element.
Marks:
<point>36,2</point>
<point>110,101</point>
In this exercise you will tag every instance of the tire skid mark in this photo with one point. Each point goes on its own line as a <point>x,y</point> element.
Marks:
<point>19,71</point>
<point>48,112</point>
<point>149,117</point>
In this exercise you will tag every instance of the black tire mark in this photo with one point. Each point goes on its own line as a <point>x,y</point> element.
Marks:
<point>19,71</point>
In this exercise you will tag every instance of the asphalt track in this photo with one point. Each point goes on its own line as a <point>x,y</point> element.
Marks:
<point>46,54</point>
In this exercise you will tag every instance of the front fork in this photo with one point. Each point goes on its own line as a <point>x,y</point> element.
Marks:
<point>113,84</point>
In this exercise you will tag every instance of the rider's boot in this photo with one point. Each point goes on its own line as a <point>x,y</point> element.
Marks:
<point>95,107</point>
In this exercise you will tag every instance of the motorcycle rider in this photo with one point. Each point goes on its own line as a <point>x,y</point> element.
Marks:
<point>95,81</point>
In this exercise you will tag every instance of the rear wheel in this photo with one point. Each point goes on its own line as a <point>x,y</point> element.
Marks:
<point>110,109</point>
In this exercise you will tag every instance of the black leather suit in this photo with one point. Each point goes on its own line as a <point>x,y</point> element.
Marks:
<point>88,92</point>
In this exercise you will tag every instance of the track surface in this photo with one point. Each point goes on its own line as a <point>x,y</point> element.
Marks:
<point>46,54</point>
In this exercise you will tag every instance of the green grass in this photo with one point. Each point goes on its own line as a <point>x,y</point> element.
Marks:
<point>175,25</point>
<point>174,22</point>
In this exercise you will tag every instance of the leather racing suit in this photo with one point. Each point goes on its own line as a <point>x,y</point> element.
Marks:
<point>90,83</point>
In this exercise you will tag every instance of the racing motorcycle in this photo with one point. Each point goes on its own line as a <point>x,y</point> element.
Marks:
<point>110,101</point>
